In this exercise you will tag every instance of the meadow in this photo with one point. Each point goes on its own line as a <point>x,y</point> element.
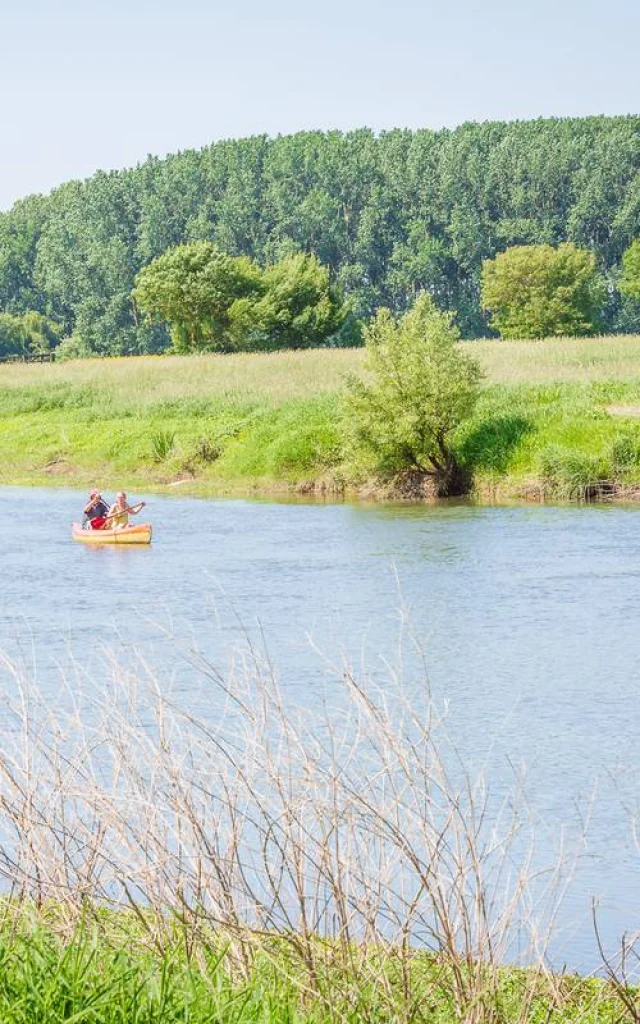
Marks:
<point>558,418</point>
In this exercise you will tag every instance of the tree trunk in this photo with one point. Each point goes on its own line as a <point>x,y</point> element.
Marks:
<point>451,479</point>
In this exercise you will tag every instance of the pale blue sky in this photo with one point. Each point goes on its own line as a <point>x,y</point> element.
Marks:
<point>89,85</point>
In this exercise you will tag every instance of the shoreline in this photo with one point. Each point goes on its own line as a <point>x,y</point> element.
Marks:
<point>486,493</point>
<point>558,420</point>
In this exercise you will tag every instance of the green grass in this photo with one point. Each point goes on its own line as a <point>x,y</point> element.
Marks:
<point>565,436</point>
<point>110,972</point>
<point>558,415</point>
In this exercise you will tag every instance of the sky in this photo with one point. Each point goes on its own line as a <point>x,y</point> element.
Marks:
<point>100,85</point>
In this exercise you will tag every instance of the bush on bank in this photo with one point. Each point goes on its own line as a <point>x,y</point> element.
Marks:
<point>420,387</point>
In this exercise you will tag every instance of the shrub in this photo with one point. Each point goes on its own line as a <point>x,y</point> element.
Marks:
<point>569,474</point>
<point>73,348</point>
<point>162,443</point>
<point>537,291</point>
<point>625,450</point>
<point>422,387</point>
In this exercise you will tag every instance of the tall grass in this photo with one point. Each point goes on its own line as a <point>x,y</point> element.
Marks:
<point>279,376</point>
<point>263,862</point>
<point>555,413</point>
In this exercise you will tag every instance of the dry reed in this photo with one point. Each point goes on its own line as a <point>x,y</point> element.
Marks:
<point>346,842</point>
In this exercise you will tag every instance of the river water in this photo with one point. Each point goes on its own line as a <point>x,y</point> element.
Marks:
<point>529,618</point>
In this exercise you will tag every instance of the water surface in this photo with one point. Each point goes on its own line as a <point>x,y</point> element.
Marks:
<point>529,618</point>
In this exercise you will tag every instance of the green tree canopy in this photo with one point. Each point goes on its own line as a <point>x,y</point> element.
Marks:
<point>193,288</point>
<point>12,338</point>
<point>215,302</point>
<point>421,386</point>
<point>538,291</point>
<point>298,307</point>
<point>630,278</point>
<point>30,334</point>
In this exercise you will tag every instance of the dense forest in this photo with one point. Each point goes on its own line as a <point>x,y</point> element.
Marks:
<point>389,214</point>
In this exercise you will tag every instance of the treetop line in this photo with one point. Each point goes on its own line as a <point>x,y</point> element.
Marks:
<point>388,216</point>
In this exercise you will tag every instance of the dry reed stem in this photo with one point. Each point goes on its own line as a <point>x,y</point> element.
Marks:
<point>340,842</point>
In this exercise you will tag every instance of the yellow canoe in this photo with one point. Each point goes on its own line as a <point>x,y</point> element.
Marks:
<point>138,534</point>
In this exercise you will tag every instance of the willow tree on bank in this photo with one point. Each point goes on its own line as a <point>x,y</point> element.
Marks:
<point>419,387</point>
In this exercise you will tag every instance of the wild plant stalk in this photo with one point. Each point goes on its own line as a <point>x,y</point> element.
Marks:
<point>345,845</point>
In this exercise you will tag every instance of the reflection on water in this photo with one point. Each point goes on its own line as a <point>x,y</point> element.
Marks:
<point>528,618</point>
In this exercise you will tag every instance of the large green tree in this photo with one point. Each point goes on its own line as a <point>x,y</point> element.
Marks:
<point>193,288</point>
<point>215,302</point>
<point>419,387</point>
<point>538,291</point>
<point>298,307</point>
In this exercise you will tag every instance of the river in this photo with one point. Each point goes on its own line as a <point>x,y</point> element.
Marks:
<point>529,618</point>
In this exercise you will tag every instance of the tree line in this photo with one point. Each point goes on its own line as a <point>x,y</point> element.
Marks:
<point>388,216</point>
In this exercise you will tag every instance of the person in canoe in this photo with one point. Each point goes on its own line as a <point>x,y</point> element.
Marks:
<point>95,512</point>
<point>118,514</point>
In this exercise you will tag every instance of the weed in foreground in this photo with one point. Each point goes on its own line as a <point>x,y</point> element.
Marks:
<point>255,861</point>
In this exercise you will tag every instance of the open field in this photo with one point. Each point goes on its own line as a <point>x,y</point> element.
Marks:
<point>147,380</point>
<point>555,417</point>
<point>282,375</point>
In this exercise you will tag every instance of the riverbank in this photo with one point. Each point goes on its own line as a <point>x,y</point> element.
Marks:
<point>115,967</point>
<point>557,419</point>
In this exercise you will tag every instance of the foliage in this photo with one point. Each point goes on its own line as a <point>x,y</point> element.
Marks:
<point>27,335</point>
<point>298,307</point>
<point>12,339</point>
<point>630,279</point>
<point>538,291</point>
<point>625,450</point>
<point>215,302</point>
<point>106,969</point>
<point>389,215</point>
<point>570,474</point>
<point>162,444</point>
<point>423,387</point>
<point>72,348</point>
<point>194,288</point>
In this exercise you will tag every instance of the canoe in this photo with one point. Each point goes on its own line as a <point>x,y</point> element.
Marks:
<point>138,534</point>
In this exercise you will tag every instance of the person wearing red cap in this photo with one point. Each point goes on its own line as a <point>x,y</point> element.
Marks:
<point>95,512</point>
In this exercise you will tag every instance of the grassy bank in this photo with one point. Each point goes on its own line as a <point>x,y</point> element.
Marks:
<point>107,970</point>
<point>556,418</point>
